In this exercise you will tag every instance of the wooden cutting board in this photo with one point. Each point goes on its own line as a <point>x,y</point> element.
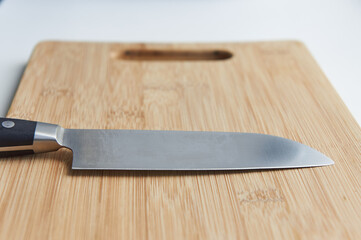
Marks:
<point>268,87</point>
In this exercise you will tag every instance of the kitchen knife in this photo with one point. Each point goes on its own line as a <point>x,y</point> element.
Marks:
<point>158,150</point>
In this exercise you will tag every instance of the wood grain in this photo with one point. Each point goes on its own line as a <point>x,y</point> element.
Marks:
<point>268,87</point>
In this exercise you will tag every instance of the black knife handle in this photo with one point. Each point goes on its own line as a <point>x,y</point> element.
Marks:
<point>16,137</point>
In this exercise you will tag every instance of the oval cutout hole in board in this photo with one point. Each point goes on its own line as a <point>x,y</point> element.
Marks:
<point>176,55</point>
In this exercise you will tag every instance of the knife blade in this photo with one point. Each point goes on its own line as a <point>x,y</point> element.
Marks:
<point>158,150</point>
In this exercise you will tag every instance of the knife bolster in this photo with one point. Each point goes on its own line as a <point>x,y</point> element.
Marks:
<point>47,137</point>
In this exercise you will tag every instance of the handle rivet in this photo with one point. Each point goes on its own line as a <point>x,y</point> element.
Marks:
<point>8,124</point>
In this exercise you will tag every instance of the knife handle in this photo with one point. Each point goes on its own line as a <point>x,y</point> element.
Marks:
<point>20,137</point>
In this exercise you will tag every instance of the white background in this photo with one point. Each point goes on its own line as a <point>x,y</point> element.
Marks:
<point>330,28</point>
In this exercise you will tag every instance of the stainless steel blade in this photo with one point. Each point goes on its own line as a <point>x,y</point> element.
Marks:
<point>181,150</point>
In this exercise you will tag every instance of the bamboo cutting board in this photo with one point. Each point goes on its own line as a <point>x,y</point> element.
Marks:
<point>271,87</point>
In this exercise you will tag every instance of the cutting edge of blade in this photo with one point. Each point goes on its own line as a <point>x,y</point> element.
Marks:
<point>206,169</point>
